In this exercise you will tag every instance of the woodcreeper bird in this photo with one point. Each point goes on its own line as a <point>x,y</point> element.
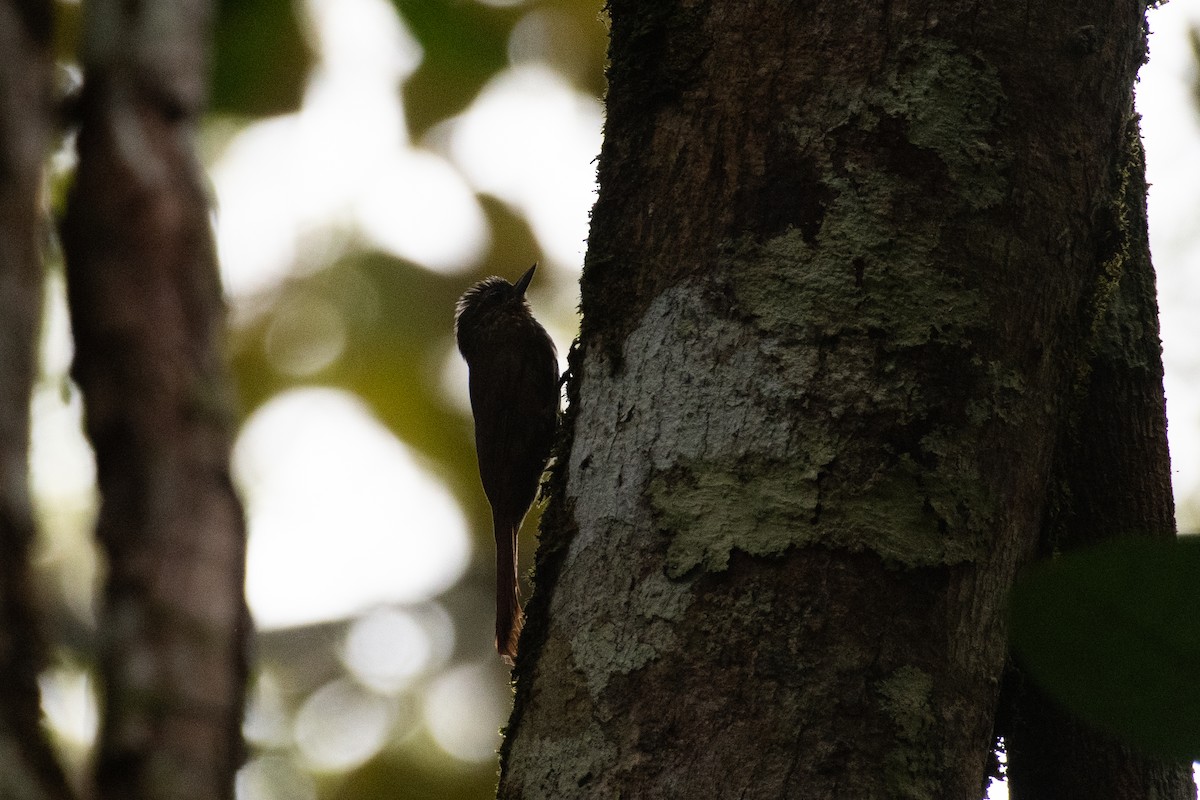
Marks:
<point>514,399</point>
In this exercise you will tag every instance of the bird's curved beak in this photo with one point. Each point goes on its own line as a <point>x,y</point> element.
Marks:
<point>523,283</point>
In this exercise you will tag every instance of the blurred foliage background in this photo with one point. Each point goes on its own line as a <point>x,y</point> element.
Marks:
<point>349,144</point>
<point>370,159</point>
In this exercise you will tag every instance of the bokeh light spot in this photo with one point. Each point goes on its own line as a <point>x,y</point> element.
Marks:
<point>273,778</point>
<point>531,139</point>
<point>464,712</point>
<point>387,648</point>
<point>305,335</point>
<point>266,722</point>
<point>341,514</point>
<point>69,703</point>
<point>342,725</point>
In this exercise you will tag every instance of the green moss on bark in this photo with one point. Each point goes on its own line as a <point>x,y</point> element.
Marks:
<point>950,101</point>
<point>896,331</point>
<point>911,765</point>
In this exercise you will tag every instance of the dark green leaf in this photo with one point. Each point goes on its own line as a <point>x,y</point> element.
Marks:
<point>423,772</point>
<point>1113,633</point>
<point>67,19</point>
<point>465,44</point>
<point>260,58</point>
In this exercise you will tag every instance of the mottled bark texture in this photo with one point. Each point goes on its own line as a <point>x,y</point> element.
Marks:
<point>147,315</point>
<point>27,765</point>
<point>857,277</point>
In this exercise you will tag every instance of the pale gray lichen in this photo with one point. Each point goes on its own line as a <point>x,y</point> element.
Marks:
<point>911,765</point>
<point>710,510</point>
<point>607,645</point>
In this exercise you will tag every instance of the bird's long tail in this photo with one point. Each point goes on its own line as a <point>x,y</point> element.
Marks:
<point>509,617</point>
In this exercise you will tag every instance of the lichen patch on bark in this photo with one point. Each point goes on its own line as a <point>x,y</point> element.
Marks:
<point>911,765</point>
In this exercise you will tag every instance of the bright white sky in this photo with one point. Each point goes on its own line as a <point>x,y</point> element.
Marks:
<point>1171,129</point>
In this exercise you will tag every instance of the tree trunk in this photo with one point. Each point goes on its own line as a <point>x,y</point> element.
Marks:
<point>1111,478</point>
<point>147,315</point>
<point>854,270</point>
<point>27,765</point>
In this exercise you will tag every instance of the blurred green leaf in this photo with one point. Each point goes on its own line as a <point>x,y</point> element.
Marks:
<point>398,321</point>
<point>67,21</point>
<point>465,44</point>
<point>1113,633</point>
<point>401,774</point>
<point>261,58</point>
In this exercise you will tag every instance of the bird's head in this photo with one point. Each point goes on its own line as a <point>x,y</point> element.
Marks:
<point>489,306</point>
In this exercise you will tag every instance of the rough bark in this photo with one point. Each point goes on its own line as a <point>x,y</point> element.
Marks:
<point>1111,479</point>
<point>147,315</point>
<point>845,272</point>
<point>27,765</point>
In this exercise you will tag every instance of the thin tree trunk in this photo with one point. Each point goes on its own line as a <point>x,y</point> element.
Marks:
<point>1112,479</point>
<point>846,270</point>
<point>27,765</point>
<point>147,314</point>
